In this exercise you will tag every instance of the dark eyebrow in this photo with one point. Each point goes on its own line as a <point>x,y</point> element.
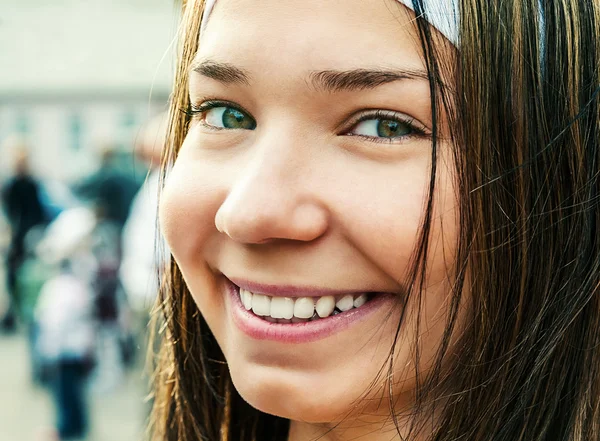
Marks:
<point>223,72</point>
<point>360,79</point>
<point>327,80</point>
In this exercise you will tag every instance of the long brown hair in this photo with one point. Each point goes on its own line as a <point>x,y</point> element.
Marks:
<point>525,123</point>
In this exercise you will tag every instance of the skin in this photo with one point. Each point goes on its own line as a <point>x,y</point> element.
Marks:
<point>301,201</point>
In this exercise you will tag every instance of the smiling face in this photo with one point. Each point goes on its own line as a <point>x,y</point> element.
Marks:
<point>305,173</point>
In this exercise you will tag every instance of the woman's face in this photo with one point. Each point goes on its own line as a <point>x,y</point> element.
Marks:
<point>305,173</point>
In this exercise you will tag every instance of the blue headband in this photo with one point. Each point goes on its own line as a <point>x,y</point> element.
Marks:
<point>442,14</point>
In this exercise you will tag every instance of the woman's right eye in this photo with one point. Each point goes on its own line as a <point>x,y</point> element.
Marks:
<point>226,117</point>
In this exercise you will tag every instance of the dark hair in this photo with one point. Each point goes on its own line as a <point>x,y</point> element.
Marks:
<point>523,107</point>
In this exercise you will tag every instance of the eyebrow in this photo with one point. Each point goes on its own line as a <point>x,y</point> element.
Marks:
<point>326,80</point>
<point>222,72</point>
<point>360,79</point>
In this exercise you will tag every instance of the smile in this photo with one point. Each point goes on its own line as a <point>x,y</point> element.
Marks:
<point>284,314</point>
<point>287,310</point>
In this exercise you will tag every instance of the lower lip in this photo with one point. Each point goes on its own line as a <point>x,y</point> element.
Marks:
<point>306,332</point>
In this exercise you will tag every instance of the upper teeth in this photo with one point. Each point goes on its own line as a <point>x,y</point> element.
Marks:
<point>287,308</point>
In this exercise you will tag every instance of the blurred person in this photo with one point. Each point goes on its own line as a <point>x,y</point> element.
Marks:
<point>33,273</point>
<point>139,266</point>
<point>110,190</point>
<point>65,321</point>
<point>111,193</point>
<point>112,310</point>
<point>55,197</point>
<point>97,265</point>
<point>24,210</point>
<point>140,261</point>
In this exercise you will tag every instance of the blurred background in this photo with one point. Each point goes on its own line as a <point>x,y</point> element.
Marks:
<point>83,88</point>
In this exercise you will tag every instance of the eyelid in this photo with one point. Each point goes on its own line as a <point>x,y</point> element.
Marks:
<point>211,103</point>
<point>206,104</point>
<point>368,114</point>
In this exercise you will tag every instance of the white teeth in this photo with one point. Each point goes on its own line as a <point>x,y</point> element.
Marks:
<point>282,308</point>
<point>345,303</point>
<point>304,307</point>
<point>261,305</point>
<point>325,306</point>
<point>299,310</point>
<point>360,300</point>
<point>246,298</point>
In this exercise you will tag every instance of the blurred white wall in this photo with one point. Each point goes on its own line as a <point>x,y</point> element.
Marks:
<point>67,135</point>
<point>50,47</point>
<point>78,73</point>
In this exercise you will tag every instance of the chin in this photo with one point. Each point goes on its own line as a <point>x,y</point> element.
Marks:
<point>310,397</point>
<point>293,395</point>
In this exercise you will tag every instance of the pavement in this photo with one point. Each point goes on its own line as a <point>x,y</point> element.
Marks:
<point>118,411</point>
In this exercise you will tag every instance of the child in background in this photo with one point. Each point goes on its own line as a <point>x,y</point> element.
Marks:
<point>31,276</point>
<point>65,320</point>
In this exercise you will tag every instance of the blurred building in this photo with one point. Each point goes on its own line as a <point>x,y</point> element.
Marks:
<point>78,74</point>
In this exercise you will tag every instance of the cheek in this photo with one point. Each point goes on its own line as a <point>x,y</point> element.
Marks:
<point>388,224</point>
<point>187,210</point>
<point>186,213</point>
<point>384,219</point>
<point>382,215</point>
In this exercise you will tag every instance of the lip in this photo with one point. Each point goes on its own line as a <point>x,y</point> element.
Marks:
<point>306,332</point>
<point>288,290</point>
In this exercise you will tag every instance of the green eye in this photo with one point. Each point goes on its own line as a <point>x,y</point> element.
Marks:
<point>229,118</point>
<point>382,128</point>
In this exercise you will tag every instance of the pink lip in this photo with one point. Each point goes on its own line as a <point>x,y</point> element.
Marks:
<point>307,332</point>
<point>288,290</point>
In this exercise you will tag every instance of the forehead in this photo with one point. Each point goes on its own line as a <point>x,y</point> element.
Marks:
<point>312,34</point>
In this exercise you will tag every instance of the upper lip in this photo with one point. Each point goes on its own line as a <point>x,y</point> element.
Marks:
<point>291,290</point>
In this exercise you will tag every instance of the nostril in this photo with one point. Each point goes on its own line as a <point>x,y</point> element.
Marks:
<point>268,240</point>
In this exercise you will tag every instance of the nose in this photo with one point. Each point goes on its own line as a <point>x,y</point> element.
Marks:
<point>267,201</point>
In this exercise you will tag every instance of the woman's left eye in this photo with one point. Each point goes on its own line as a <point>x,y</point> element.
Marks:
<point>379,127</point>
<point>223,117</point>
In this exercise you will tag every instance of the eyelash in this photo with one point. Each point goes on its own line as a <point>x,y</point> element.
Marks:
<point>195,111</point>
<point>418,130</point>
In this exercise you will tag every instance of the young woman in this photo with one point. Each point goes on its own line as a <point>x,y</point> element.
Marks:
<point>383,217</point>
